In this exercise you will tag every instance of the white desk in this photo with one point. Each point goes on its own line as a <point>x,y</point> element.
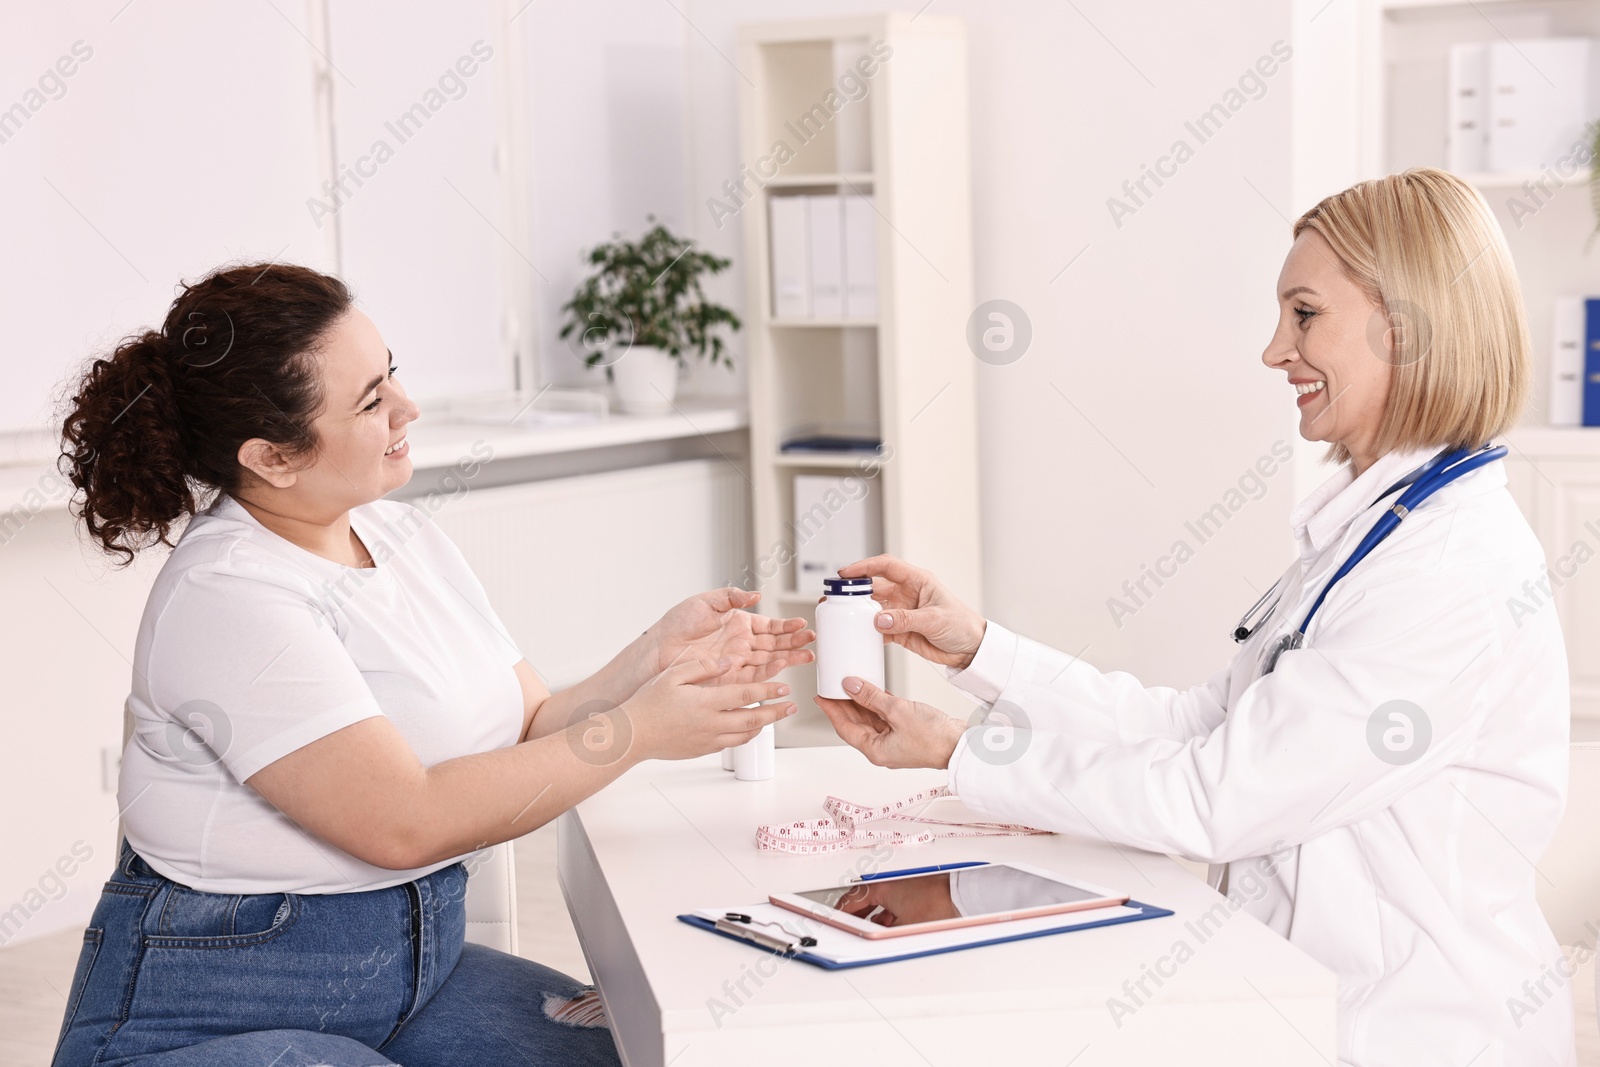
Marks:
<point>668,838</point>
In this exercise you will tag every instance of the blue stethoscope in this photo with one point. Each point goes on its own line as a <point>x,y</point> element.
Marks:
<point>1423,482</point>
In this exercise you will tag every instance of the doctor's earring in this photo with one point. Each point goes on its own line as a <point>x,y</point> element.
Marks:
<point>1000,734</point>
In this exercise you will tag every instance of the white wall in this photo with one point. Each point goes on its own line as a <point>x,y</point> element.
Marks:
<point>611,145</point>
<point>1143,399</point>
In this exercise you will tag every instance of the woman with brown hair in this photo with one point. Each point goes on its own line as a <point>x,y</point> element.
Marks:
<point>329,716</point>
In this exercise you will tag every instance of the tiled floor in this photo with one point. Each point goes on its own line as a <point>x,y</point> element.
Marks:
<point>35,974</point>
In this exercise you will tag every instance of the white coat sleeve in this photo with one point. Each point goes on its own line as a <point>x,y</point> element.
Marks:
<point>1054,690</point>
<point>1292,759</point>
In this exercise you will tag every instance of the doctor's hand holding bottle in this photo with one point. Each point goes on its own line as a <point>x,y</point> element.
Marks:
<point>919,614</point>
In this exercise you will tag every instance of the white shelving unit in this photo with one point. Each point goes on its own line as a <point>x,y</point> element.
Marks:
<point>905,376</point>
<point>1373,102</point>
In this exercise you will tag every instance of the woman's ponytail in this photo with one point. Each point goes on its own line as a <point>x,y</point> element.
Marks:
<point>123,447</point>
<point>155,427</point>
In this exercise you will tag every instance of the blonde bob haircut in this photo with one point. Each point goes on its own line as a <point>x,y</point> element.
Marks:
<point>1424,247</point>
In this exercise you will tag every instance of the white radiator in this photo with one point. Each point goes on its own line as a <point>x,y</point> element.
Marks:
<point>578,567</point>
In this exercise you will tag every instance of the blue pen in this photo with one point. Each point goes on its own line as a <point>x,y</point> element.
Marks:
<point>917,870</point>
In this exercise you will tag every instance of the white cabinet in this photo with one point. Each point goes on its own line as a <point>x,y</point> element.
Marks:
<point>426,188</point>
<point>1555,477</point>
<point>140,145</point>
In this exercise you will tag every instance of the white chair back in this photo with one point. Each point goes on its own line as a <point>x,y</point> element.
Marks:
<point>492,898</point>
<point>491,882</point>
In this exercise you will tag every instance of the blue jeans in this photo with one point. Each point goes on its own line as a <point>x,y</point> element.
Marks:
<point>171,977</point>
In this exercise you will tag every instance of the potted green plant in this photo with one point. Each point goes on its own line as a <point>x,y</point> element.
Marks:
<point>641,310</point>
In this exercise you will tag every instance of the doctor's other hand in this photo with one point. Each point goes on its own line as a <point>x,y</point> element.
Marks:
<point>919,612</point>
<point>891,731</point>
<point>681,713</point>
<point>715,625</point>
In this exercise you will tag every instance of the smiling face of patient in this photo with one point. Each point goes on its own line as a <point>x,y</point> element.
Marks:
<point>1330,332</point>
<point>360,455</point>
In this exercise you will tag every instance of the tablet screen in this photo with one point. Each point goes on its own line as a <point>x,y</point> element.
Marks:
<point>962,893</point>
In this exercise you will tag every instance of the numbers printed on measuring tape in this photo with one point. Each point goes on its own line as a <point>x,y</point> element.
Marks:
<point>846,827</point>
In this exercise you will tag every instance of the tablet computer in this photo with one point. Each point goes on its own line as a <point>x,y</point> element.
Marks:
<point>943,900</point>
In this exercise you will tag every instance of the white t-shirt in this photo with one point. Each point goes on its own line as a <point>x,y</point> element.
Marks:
<point>251,647</point>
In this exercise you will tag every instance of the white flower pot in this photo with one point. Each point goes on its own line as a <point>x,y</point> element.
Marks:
<point>645,380</point>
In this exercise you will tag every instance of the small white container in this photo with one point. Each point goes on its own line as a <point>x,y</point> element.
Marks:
<point>754,760</point>
<point>848,643</point>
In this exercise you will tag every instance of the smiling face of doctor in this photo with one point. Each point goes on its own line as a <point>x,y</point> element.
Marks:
<point>1335,345</point>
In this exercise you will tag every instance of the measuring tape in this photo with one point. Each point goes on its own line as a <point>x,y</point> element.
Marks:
<point>846,827</point>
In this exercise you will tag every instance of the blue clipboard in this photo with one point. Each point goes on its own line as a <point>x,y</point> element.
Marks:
<point>1145,911</point>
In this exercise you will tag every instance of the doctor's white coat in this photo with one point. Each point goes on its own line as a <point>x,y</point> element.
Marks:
<point>1401,851</point>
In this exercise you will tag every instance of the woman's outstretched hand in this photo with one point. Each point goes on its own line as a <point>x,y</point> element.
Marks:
<point>891,731</point>
<point>919,612</point>
<point>714,625</point>
<point>684,712</point>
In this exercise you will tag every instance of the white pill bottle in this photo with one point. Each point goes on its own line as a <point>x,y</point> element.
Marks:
<point>847,641</point>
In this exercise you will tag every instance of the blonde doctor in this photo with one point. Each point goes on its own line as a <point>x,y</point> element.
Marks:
<point>1395,773</point>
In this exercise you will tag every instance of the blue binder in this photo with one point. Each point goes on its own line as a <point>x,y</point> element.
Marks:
<point>1591,362</point>
<point>1145,911</point>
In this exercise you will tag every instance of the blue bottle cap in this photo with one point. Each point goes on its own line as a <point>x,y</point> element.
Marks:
<point>847,586</point>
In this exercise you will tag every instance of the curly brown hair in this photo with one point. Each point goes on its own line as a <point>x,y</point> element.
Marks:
<point>154,428</point>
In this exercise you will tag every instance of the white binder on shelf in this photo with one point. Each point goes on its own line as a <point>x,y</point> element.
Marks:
<point>826,229</point>
<point>1539,97</point>
<point>1566,361</point>
<point>791,268</point>
<point>836,522</point>
<point>860,257</point>
<point>1466,141</point>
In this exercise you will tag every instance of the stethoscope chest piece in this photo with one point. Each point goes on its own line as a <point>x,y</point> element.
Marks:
<point>1287,643</point>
